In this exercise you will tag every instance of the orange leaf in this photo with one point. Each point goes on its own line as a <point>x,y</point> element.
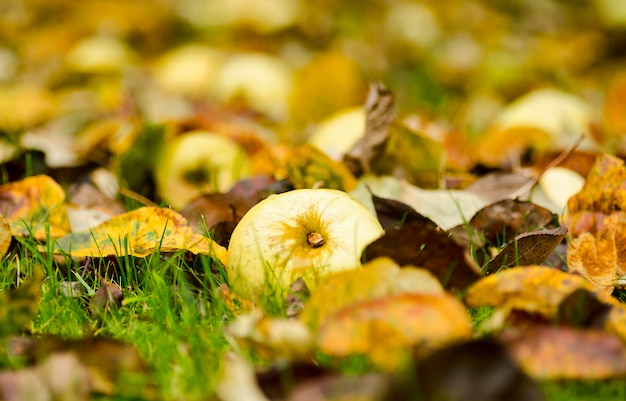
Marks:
<point>33,205</point>
<point>383,328</point>
<point>535,289</point>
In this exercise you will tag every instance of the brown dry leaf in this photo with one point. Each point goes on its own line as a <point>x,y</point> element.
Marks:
<point>383,328</point>
<point>422,245</point>
<point>393,214</point>
<point>306,166</point>
<point>504,220</point>
<point>564,353</point>
<point>34,205</point>
<point>107,298</point>
<point>583,309</point>
<point>378,278</point>
<point>139,233</point>
<point>494,187</point>
<point>472,370</point>
<point>526,249</point>
<point>533,288</point>
<point>380,111</point>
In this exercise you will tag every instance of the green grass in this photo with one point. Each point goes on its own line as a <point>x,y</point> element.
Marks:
<point>171,316</point>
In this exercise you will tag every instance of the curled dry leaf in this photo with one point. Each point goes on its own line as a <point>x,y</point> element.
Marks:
<point>378,278</point>
<point>383,328</point>
<point>557,353</point>
<point>33,206</point>
<point>380,112</point>
<point>139,233</point>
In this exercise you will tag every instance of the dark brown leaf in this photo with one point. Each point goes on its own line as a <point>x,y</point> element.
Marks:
<point>582,308</point>
<point>472,370</point>
<point>527,249</point>
<point>508,218</point>
<point>380,112</point>
<point>107,298</point>
<point>393,214</point>
<point>422,245</point>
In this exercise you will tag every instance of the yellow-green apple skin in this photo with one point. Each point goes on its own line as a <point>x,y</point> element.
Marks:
<point>217,161</point>
<point>306,233</point>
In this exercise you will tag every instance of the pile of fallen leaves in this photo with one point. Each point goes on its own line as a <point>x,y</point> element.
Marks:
<point>489,143</point>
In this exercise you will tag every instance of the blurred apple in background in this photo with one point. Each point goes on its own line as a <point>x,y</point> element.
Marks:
<point>199,162</point>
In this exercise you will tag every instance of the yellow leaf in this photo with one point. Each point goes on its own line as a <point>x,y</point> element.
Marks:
<point>378,278</point>
<point>33,205</point>
<point>537,289</point>
<point>383,328</point>
<point>5,236</point>
<point>139,233</point>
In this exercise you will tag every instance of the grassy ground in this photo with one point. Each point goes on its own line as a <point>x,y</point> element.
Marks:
<point>170,315</point>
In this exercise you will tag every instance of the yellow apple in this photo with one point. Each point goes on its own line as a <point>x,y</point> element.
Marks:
<point>196,163</point>
<point>307,233</point>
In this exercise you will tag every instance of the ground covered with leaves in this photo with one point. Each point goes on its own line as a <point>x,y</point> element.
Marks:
<point>487,138</point>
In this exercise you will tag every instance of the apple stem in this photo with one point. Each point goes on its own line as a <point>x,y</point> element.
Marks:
<point>315,239</point>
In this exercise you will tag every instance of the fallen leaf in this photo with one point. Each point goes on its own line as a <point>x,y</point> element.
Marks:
<point>35,206</point>
<point>447,208</point>
<point>139,233</point>
<point>297,295</point>
<point>19,306</point>
<point>603,189</point>
<point>583,309</point>
<point>470,370</point>
<point>428,247</point>
<point>412,156</point>
<point>383,328</point>
<point>107,298</point>
<point>5,236</point>
<point>598,257</point>
<point>504,220</point>
<point>112,367</point>
<point>559,184</point>
<point>378,278</point>
<point>526,249</point>
<point>380,112</point>
<point>306,166</point>
<point>532,288</point>
<point>564,353</point>
<point>393,214</point>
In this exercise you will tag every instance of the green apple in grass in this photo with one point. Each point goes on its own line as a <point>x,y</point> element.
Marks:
<point>306,233</point>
